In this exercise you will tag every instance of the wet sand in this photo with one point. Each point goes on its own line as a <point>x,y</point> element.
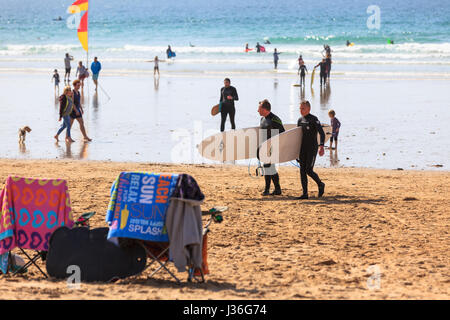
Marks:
<point>278,247</point>
<point>387,123</point>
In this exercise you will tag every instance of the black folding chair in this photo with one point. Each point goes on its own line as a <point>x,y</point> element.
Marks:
<point>158,252</point>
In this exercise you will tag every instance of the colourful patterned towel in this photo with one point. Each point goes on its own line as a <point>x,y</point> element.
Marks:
<point>138,205</point>
<point>31,209</point>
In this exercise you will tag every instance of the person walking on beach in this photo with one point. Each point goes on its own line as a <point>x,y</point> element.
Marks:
<point>335,125</point>
<point>65,108</point>
<point>82,73</point>
<point>95,68</point>
<point>269,122</point>
<point>308,150</point>
<point>276,58</point>
<point>67,60</point>
<point>55,78</point>
<point>323,71</point>
<point>77,110</point>
<point>228,95</point>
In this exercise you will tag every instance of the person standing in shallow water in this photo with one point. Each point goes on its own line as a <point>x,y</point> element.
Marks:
<point>276,58</point>
<point>65,108</point>
<point>228,95</point>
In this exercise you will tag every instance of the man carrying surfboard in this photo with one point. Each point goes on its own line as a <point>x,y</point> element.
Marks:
<point>308,151</point>
<point>228,95</point>
<point>269,122</point>
<point>323,71</point>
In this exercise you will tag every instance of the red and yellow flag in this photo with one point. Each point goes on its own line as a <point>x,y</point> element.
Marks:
<point>80,6</point>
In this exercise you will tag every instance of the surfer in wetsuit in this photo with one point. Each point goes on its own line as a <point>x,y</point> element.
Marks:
<point>228,95</point>
<point>269,122</point>
<point>308,151</point>
<point>323,71</point>
<point>276,58</point>
<point>169,52</point>
<point>258,47</point>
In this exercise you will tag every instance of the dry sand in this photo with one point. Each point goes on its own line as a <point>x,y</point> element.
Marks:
<point>278,247</point>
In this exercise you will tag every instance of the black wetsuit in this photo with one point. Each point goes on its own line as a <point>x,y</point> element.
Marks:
<point>228,106</point>
<point>328,62</point>
<point>308,151</point>
<point>323,72</point>
<point>302,74</point>
<point>271,122</point>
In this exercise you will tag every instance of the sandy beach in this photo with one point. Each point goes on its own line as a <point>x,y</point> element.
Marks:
<point>396,222</point>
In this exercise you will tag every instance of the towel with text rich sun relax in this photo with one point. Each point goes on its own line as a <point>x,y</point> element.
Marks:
<point>31,209</point>
<point>138,206</point>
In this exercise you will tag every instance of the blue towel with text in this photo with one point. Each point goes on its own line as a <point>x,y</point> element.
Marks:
<point>138,205</point>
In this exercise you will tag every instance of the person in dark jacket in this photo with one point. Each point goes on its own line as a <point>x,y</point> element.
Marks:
<point>269,122</point>
<point>228,95</point>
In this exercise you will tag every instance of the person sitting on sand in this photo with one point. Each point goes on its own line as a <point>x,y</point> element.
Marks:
<point>335,125</point>
<point>65,108</point>
<point>269,122</point>
<point>77,112</point>
<point>56,79</point>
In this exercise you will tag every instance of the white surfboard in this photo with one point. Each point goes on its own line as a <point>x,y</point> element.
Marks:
<point>234,144</point>
<point>286,146</point>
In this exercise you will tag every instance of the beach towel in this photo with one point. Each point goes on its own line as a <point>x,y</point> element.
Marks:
<point>31,209</point>
<point>138,205</point>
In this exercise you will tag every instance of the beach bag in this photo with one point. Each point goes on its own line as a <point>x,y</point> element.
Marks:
<point>97,258</point>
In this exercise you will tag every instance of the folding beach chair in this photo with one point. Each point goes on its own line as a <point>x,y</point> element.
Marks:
<point>83,221</point>
<point>158,252</point>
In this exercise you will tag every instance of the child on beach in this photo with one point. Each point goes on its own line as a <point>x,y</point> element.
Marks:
<point>156,67</point>
<point>301,70</point>
<point>335,125</point>
<point>65,109</point>
<point>56,79</point>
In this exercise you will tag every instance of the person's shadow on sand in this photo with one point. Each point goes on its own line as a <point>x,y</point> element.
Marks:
<point>210,285</point>
<point>327,199</point>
